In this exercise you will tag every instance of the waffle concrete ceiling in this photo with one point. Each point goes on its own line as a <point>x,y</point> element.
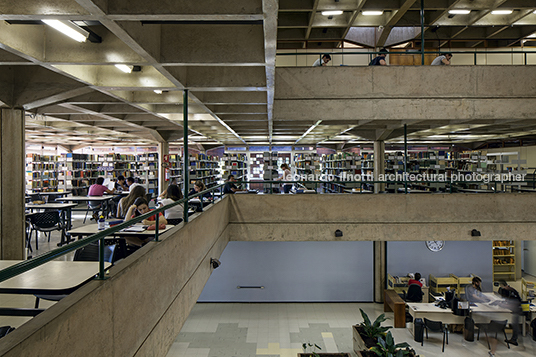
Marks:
<point>223,52</point>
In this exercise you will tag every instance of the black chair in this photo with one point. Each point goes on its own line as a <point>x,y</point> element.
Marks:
<point>414,293</point>
<point>493,326</point>
<point>436,326</point>
<point>45,222</point>
<point>174,221</point>
<point>89,253</point>
<point>94,207</point>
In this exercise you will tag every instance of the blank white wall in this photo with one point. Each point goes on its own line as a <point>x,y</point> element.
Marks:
<point>293,271</point>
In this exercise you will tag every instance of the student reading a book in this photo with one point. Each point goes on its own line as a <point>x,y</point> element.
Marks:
<point>141,206</point>
<point>230,187</point>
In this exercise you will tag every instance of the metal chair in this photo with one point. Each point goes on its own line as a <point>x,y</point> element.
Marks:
<point>89,253</point>
<point>45,222</point>
<point>95,207</point>
<point>436,326</point>
<point>493,326</point>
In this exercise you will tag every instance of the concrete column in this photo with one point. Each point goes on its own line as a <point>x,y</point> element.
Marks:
<point>379,164</point>
<point>163,149</point>
<point>380,256</point>
<point>12,184</point>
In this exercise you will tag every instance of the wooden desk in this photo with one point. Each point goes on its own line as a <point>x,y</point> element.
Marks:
<point>90,229</point>
<point>52,278</point>
<point>65,209</point>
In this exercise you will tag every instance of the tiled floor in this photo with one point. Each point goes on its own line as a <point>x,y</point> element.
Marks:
<point>278,330</point>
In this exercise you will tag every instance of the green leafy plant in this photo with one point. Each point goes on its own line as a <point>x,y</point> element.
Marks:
<point>374,330</point>
<point>311,348</point>
<point>388,348</point>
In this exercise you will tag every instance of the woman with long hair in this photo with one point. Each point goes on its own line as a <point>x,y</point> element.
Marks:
<point>126,202</point>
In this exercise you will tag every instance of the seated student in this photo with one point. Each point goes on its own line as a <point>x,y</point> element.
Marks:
<point>98,189</point>
<point>141,206</point>
<point>131,182</point>
<point>120,184</point>
<point>172,194</point>
<point>416,280</point>
<point>230,187</point>
<point>126,202</point>
<point>322,62</point>
<point>473,292</point>
<point>199,186</point>
<point>380,60</point>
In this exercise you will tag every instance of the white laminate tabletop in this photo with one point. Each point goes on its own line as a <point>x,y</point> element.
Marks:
<point>55,277</point>
<point>90,229</point>
<point>85,198</point>
<point>54,205</point>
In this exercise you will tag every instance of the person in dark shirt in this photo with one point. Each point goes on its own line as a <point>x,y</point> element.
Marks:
<point>513,301</point>
<point>120,184</point>
<point>230,187</point>
<point>380,60</point>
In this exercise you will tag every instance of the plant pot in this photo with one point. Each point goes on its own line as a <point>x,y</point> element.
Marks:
<point>325,354</point>
<point>361,342</point>
<point>366,353</point>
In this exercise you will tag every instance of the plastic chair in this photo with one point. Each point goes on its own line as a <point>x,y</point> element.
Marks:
<point>494,326</point>
<point>94,207</point>
<point>45,222</point>
<point>436,326</point>
<point>89,253</point>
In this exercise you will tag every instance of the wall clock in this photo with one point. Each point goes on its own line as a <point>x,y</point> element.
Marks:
<point>435,245</point>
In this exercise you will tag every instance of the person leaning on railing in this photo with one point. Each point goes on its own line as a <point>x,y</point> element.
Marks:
<point>323,61</point>
<point>380,60</point>
<point>442,60</point>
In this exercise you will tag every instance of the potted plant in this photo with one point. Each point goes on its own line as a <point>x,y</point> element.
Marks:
<point>386,347</point>
<point>366,333</point>
<point>309,350</point>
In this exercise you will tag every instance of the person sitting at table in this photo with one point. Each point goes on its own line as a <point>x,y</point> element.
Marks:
<point>172,194</point>
<point>120,184</point>
<point>126,202</point>
<point>230,187</point>
<point>417,280</point>
<point>474,293</point>
<point>199,186</point>
<point>98,189</point>
<point>131,182</point>
<point>141,206</point>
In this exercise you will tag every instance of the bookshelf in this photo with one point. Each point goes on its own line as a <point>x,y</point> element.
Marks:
<point>307,165</point>
<point>41,172</point>
<point>504,260</point>
<point>270,172</point>
<point>339,167</point>
<point>204,168</point>
<point>235,164</point>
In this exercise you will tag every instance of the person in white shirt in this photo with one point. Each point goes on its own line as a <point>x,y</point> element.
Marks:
<point>323,61</point>
<point>172,194</point>
<point>132,183</point>
<point>443,60</point>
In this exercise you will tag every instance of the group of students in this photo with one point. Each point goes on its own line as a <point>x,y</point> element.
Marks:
<point>441,60</point>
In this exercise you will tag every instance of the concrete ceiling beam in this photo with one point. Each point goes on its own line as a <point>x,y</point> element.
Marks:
<point>220,77</point>
<point>393,20</point>
<point>229,97</point>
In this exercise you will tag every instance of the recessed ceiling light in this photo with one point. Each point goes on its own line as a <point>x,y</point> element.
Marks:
<point>124,68</point>
<point>332,12</point>
<point>459,12</point>
<point>69,29</point>
<point>502,12</point>
<point>372,13</point>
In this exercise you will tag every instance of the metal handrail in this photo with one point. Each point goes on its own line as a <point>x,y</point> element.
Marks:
<point>29,264</point>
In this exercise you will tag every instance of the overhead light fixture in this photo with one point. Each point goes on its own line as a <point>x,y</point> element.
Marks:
<point>68,28</point>
<point>332,12</point>
<point>127,68</point>
<point>158,91</point>
<point>124,68</point>
<point>372,13</point>
<point>309,130</point>
<point>459,12</point>
<point>502,12</point>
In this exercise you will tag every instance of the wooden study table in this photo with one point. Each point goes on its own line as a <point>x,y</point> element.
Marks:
<point>52,278</point>
<point>90,229</point>
<point>65,209</point>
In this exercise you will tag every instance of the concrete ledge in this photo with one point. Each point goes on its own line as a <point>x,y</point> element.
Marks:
<point>141,308</point>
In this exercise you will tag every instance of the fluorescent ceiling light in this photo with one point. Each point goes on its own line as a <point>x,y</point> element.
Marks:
<point>372,13</point>
<point>69,29</point>
<point>158,91</point>
<point>124,68</point>
<point>532,35</point>
<point>332,12</point>
<point>459,12</point>
<point>501,12</point>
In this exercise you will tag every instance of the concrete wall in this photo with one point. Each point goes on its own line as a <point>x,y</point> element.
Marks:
<point>293,271</point>
<point>382,217</point>
<point>140,309</point>
<point>458,258</point>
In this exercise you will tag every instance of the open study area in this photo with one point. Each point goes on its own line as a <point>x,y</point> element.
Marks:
<point>279,192</point>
